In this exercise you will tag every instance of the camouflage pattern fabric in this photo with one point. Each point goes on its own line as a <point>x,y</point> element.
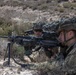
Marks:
<point>39,56</point>
<point>52,63</point>
<point>57,67</point>
<point>70,61</point>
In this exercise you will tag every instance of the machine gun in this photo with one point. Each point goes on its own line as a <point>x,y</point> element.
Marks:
<point>29,42</point>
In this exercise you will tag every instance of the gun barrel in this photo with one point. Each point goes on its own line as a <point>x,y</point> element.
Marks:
<point>29,31</point>
<point>3,36</point>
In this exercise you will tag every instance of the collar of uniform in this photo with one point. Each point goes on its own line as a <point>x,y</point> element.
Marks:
<point>71,46</point>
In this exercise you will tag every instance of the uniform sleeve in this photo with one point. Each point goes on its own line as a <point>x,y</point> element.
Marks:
<point>67,68</point>
<point>70,61</point>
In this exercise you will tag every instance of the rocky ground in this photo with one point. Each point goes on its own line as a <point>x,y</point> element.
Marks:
<point>24,11</point>
<point>34,10</point>
<point>14,69</point>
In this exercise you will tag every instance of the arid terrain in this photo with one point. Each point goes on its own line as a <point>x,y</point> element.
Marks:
<point>19,15</point>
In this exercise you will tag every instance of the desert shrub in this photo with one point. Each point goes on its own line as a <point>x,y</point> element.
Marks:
<point>1,31</point>
<point>14,3</point>
<point>8,31</point>
<point>5,23</point>
<point>18,48</point>
<point>60,9</point>
<point>43,7</point>
<point>20,29</point>
<point>5,26</point>
<point>18,51</point>
<point>69,5</point>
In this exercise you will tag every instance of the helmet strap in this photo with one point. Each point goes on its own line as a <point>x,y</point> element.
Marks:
<point>69,39</point>
<point>64,36</point>
<point>65,41</point>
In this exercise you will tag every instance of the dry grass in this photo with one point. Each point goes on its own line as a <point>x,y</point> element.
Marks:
<point>69,5</point>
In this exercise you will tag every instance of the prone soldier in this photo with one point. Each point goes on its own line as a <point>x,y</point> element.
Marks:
<point>38,54</point>
<point>43,54</point>
<point>67,37</point>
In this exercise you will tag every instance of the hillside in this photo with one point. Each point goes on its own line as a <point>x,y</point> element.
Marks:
<point>28,10</point>
<point>17,14</point>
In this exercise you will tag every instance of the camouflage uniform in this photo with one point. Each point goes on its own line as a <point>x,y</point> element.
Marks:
<point>70,61</point>
<point>68,65</point>
<point>39,55</point>
<point>52,63</point>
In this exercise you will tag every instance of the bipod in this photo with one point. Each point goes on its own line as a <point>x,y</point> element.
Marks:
<point>8,54</point>
<point>9,45</point>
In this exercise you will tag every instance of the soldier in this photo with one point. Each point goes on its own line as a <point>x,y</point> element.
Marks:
<point>45,53</point>
<point>67,37</point>
<point>38,52</point>
<point>46,35</point>
<point>41,53</point>
<point>37,29</point>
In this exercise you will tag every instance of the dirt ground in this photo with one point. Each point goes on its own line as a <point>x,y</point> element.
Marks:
<point>14,69</point>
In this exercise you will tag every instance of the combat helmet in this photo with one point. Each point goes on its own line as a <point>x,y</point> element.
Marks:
<point>68,24</point>
<point>38,26</point>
